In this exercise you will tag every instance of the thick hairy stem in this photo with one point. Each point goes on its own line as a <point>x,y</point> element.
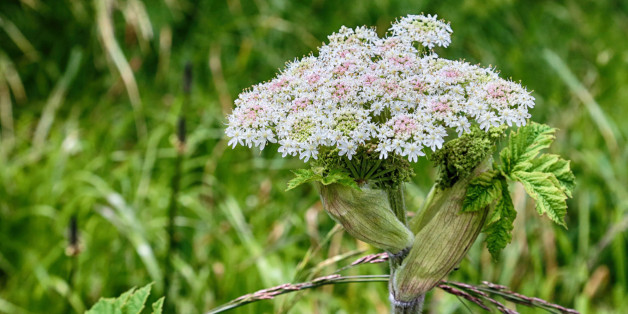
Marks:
<point>397,203</point>
<point>398,206</point>
<point>413,307</point>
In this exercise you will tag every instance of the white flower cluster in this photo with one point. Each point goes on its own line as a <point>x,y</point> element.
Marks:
<point>393,92</point>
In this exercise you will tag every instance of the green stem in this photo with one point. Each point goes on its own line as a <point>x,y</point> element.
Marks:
<point>375,167</point>
<point>397,203</point>
<point>398,206</point>
<point>354,172</point>
<point>413,307</point>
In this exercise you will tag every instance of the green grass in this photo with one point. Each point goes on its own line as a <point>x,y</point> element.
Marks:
<point>77,140</point>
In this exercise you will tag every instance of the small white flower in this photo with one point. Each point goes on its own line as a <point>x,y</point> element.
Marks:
<point>384,147</point>
<point>309,151</point>
<point>413,151</point>
<point>236,137</point>
<point>347,148</point>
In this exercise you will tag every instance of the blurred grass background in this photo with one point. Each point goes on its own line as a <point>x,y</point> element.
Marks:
<point>90,92</point>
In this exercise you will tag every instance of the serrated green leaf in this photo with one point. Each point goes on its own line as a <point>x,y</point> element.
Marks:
<point>158,306</point>
<point>340,177</point>
<point>131,301</point>
<point>334,176</point>
<point>482,191</point>
<point>499,230</point>
<point>524,145</point>
<point>119,301</point>
<point>303,176</point>
<point>559,167</point>
<point>545,189</point>
<point>135,302</point>
<point>562,172</point>
<point>111,305</point>
<point>105,306</point>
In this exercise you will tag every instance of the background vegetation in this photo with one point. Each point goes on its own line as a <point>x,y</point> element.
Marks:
<point>90,92</point>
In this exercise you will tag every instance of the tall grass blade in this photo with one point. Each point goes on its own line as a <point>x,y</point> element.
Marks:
<point>606,126</point>
<point>56,99</point>
<point>106,31</point>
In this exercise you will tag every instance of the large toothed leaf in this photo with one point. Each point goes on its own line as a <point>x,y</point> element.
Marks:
<point>135,303</point>
<point>482,191</point>
<point>313,175</point>
<point>545,189</point>
<point>130,302</point>
<point>558,167</point>
<point>111,305</point>
<point>524,145</point>
<point>105,306</point>
<point>500,224</point>
<point>122,299</point>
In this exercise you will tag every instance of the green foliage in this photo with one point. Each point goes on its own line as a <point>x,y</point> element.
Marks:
<point>524,145</point>
<point>498,228</point>
<point>545,190</point>
<point>316,175</point>
<point>549,163</point>
<point>129,302</point>
<point>482,191</point>
<point>546,178</point>
<point>158,306</point>
<point>365,167</point>
<point>460,156</point>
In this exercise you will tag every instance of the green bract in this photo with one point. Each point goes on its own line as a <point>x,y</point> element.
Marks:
<point>364,169</point>
<point>444,234</point>
<point>366,215</point>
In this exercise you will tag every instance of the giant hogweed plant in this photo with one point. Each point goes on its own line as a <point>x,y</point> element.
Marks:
<point>366,107</point>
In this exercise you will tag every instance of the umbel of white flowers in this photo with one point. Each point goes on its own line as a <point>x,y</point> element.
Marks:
<point>394,93</point>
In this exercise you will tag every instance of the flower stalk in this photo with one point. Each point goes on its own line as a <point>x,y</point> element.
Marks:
<point>398,206</point>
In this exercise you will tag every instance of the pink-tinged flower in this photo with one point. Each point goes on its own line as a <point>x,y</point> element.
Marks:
<point>418,85</point>
<point>301,103</point>
<point>399,61</point>
<point>440,106</point>
<point>451,73</point>
<point>344,67</point>
<point>368,79</point>
<point>278,84</point>
<point>405,125</point>
<point>313,78</point>
<point>496,90</point>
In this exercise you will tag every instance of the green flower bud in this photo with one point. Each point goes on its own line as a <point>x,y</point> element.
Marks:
<point>366,215</point>
<point>443,236</point>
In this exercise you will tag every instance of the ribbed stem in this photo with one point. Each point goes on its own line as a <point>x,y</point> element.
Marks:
<point>398,203</point>
<point>413,307</point>
<point>398,206</point>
